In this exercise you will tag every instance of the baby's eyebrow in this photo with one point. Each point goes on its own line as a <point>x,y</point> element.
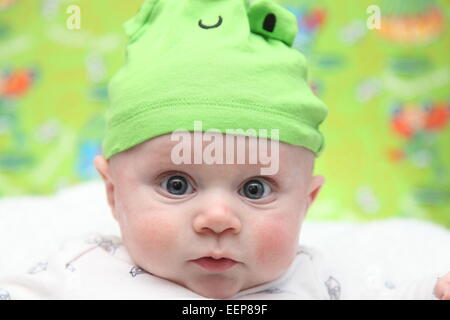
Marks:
<point>156,157</point>
<point>272,179</point>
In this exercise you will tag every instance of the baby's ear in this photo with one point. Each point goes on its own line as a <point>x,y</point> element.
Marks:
<point>134,27</point>
<point>103,169</point>
<point>272,20</point>
<point>317,183</point>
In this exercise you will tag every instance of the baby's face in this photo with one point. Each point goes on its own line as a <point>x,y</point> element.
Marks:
<point>178,220</point>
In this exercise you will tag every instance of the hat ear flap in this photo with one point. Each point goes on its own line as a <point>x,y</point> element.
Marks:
<point>135,26</point>
<point>273,21</point>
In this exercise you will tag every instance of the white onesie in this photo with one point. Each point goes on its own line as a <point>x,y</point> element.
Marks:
<point>99,267</point>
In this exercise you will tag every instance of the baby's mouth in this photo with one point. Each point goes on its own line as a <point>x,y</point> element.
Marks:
<point>211,264</point>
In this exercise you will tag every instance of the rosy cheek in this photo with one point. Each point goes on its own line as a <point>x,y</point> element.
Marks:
<point>275,242</point>
<point>153,236</point>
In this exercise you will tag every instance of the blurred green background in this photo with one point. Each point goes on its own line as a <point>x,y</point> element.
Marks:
<point>387,87</point>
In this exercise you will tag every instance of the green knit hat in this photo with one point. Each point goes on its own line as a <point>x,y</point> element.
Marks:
<point>228,63</point>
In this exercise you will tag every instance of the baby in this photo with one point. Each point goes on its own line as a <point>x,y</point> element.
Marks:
<point>204,209</point>
<point>216,229</point>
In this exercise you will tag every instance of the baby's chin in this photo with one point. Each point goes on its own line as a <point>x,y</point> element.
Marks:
<point>215,286</point>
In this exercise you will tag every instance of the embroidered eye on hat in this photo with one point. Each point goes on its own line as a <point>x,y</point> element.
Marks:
<point>227,63</point>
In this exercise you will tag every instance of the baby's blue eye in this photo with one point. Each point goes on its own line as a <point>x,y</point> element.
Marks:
<point>177,185</point>
<point>256,189</point>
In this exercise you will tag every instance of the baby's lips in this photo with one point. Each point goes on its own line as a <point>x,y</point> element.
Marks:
<point>211,264</point>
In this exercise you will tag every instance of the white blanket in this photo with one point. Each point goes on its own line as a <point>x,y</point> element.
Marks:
<point>383,253</point>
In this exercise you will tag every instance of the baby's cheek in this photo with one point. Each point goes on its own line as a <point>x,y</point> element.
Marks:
<point>154,237</point>
<point>275,242</point>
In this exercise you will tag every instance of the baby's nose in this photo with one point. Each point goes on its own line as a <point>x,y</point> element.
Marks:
<point>217,218</point>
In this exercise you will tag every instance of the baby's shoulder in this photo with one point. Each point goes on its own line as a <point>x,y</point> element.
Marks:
<point>312,253</point>
<point>92,247</point>
<point>324,271</point>
<point>59,275</point>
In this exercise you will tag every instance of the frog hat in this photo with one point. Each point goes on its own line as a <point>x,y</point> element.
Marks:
<point>227,63</point>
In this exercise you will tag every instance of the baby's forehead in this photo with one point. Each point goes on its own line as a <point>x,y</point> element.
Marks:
<point>164,150</point>
<point>164,145</point>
